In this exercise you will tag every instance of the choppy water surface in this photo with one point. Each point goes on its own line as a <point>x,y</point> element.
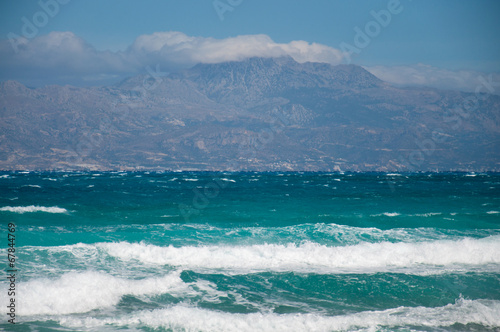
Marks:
<point>194,251</point>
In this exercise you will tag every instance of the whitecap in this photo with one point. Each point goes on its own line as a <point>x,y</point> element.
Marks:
<point>387,214</point>
<point>182,317</point>
<point>420,257</point>
<point>33,208</point>
<point>429,214</point>
<point>79,292</point>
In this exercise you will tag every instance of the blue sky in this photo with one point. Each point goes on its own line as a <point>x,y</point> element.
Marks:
<point>450,41</point>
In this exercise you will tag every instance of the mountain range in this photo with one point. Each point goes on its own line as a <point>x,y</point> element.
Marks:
<point>257,114</point>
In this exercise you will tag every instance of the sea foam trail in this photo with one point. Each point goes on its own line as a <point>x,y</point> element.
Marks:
<point>423,257</point>
<point>82,292</point>
<point>33,208</point>
<point>328,234</point>
<point>182,318</point>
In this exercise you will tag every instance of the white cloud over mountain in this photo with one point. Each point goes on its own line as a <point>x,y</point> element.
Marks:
<point>425,75</point>
<point>56,56</point>
<point>63,57</point>
<point>177,47</point>
<point>63,54</point>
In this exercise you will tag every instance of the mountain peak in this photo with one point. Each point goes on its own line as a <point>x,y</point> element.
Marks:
<point>11,84</point>
<point>12,87</point>
<point>319,116</point>
<point>281,60</point>
<point>254,78</point>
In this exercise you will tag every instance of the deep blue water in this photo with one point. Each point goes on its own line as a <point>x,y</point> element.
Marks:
<point>187,251</point>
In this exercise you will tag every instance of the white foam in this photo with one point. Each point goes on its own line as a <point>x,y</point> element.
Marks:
<point>396,214</point>
<point>5,176</point>
<point>33,208</point>
<point>387,214</point>
<point>391,214</point>
<point>193,180</point>
<point>493,212</point>
<point>420,257</point>
<point>228,180</point>
<point>429,214</point>
<point>82,292</point>
<point>184,318</point>
<point>32,186</point>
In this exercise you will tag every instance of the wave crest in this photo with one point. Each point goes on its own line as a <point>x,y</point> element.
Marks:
<point>184,318</point>
<point>33,208</point>
<point>421,257</point>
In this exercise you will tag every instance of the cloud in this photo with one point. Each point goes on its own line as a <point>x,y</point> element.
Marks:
<point>65,58</point>
<point>63,55</point>
<point>58,57</point>
<point>425,75</point>
<point>180,48</point>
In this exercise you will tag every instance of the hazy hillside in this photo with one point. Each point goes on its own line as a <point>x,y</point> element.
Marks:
<point>258,114</point>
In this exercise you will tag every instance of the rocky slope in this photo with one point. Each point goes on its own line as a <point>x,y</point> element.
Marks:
<point>257,114</point>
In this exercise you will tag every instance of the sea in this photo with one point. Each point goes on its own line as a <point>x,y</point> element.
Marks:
<point>249,251</point>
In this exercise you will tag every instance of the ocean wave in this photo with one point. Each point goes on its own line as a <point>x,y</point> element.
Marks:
<point>32,186</point>
<point>429,214</point>
<point>184,318</point>
<point>387,214</point>
<point>33,208</point>
<point>180,234</point>
<point>397,214</point>
<point>420,257</point>
<point>82,292</point>
<point>334,234</point>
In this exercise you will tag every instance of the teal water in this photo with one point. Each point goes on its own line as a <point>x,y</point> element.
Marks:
<point>196,251</point>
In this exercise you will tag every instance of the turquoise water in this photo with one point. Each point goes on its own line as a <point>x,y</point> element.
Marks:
<point>195,251</point>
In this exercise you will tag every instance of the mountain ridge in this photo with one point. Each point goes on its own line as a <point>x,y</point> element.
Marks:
<point>256,114</point>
